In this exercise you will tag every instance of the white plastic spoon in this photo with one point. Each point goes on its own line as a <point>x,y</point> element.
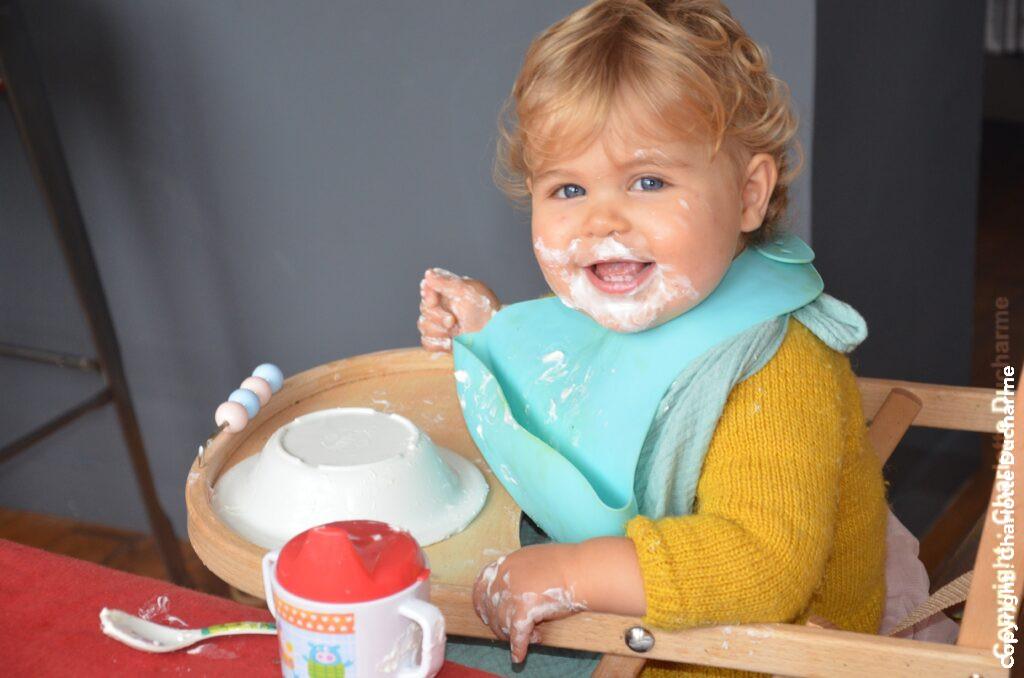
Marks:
<point>150,637</point>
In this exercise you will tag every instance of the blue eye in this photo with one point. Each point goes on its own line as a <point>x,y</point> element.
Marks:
<point>648,184</point>
<point>570,191</point>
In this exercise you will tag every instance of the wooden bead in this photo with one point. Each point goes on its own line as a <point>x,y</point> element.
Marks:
<point>249,400</point>
<point>259,386</point>
<point>233,414</point>
<point>272,373</point>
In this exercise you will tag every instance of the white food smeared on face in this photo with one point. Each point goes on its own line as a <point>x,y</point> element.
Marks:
<point>555,257</point>
<point>631,311</point>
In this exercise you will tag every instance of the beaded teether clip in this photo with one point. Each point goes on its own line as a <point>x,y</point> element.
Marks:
<point>244,403</point>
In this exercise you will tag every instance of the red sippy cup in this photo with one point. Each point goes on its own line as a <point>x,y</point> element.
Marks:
<point>350,600</point>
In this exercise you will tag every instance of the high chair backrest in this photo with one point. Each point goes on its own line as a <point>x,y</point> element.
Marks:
<point>891,407</point>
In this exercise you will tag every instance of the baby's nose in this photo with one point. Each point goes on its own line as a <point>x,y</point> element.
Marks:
<point>604,220</point>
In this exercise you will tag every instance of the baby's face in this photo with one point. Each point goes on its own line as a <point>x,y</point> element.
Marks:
<point>633,233</point>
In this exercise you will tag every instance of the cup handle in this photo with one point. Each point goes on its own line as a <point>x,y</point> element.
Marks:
<point>431,622</point>
<point>269,562</point>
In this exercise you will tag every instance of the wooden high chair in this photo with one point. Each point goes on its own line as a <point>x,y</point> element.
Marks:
<point>815,649</point>
<point>419,386</point>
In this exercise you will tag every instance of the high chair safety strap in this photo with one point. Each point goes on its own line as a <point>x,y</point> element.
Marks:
<point>949,595</point>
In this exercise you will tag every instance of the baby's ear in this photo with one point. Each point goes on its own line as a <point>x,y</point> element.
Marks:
<point>759,182</point>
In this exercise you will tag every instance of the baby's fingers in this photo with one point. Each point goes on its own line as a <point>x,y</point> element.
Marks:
<point>441,276</point>
<point>446,284</point>
<point>490,615</point>
<point>428,291</point>
<point>522,634</point>
<point>436,343</point>
<point>430,325</point>
<point>433,337</point>
<point>479,598</point>
<point>438,316</point>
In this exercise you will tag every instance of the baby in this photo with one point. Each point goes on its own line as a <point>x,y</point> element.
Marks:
<point>653,146</point>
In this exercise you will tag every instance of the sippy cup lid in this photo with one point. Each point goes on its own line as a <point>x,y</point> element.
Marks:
<point>350,561</point>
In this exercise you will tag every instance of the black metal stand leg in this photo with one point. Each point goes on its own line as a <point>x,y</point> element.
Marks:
<point>27,97</point>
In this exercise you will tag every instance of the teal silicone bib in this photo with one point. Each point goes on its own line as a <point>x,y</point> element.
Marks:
<point>560,406</point>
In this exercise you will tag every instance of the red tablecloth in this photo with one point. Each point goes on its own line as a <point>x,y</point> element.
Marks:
<point>50,626</point>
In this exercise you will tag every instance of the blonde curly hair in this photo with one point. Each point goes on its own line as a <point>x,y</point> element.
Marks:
<point>688,64</point>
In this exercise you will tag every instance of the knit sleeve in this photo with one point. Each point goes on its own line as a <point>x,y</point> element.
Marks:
<point>756,546</point>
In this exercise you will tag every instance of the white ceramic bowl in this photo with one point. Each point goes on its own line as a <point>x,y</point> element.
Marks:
<point>349,463</point>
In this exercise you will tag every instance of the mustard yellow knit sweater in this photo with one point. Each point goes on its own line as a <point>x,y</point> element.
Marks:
<point>790,510</point>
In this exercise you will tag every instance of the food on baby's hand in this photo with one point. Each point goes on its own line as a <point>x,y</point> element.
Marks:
<point>451,305</point>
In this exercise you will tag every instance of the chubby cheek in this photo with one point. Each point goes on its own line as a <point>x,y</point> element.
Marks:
<point>555,227</point>
<point>692,241</point>
<point>695,274</point>
<point>665,229</point>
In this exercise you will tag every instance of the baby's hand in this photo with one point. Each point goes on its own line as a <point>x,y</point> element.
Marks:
<point>515,593</point>
<point>451,305</point>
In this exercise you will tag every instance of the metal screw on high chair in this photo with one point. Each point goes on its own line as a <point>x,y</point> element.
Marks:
<point>639,639</point>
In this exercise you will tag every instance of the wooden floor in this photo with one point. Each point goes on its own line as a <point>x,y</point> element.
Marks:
<point>115,548</point>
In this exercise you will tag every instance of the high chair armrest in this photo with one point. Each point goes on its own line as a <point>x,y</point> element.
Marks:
<point>787,649</point>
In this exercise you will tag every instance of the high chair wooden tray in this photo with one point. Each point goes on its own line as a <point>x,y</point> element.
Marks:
<point>411,382</point>
<point>419,386</point>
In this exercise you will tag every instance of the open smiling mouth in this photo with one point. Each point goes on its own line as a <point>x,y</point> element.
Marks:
<point>619,277</point>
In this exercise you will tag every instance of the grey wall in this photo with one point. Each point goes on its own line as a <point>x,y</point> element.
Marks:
<point>897,141</point>
<point>261,181</point>
<point>787,31</point>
